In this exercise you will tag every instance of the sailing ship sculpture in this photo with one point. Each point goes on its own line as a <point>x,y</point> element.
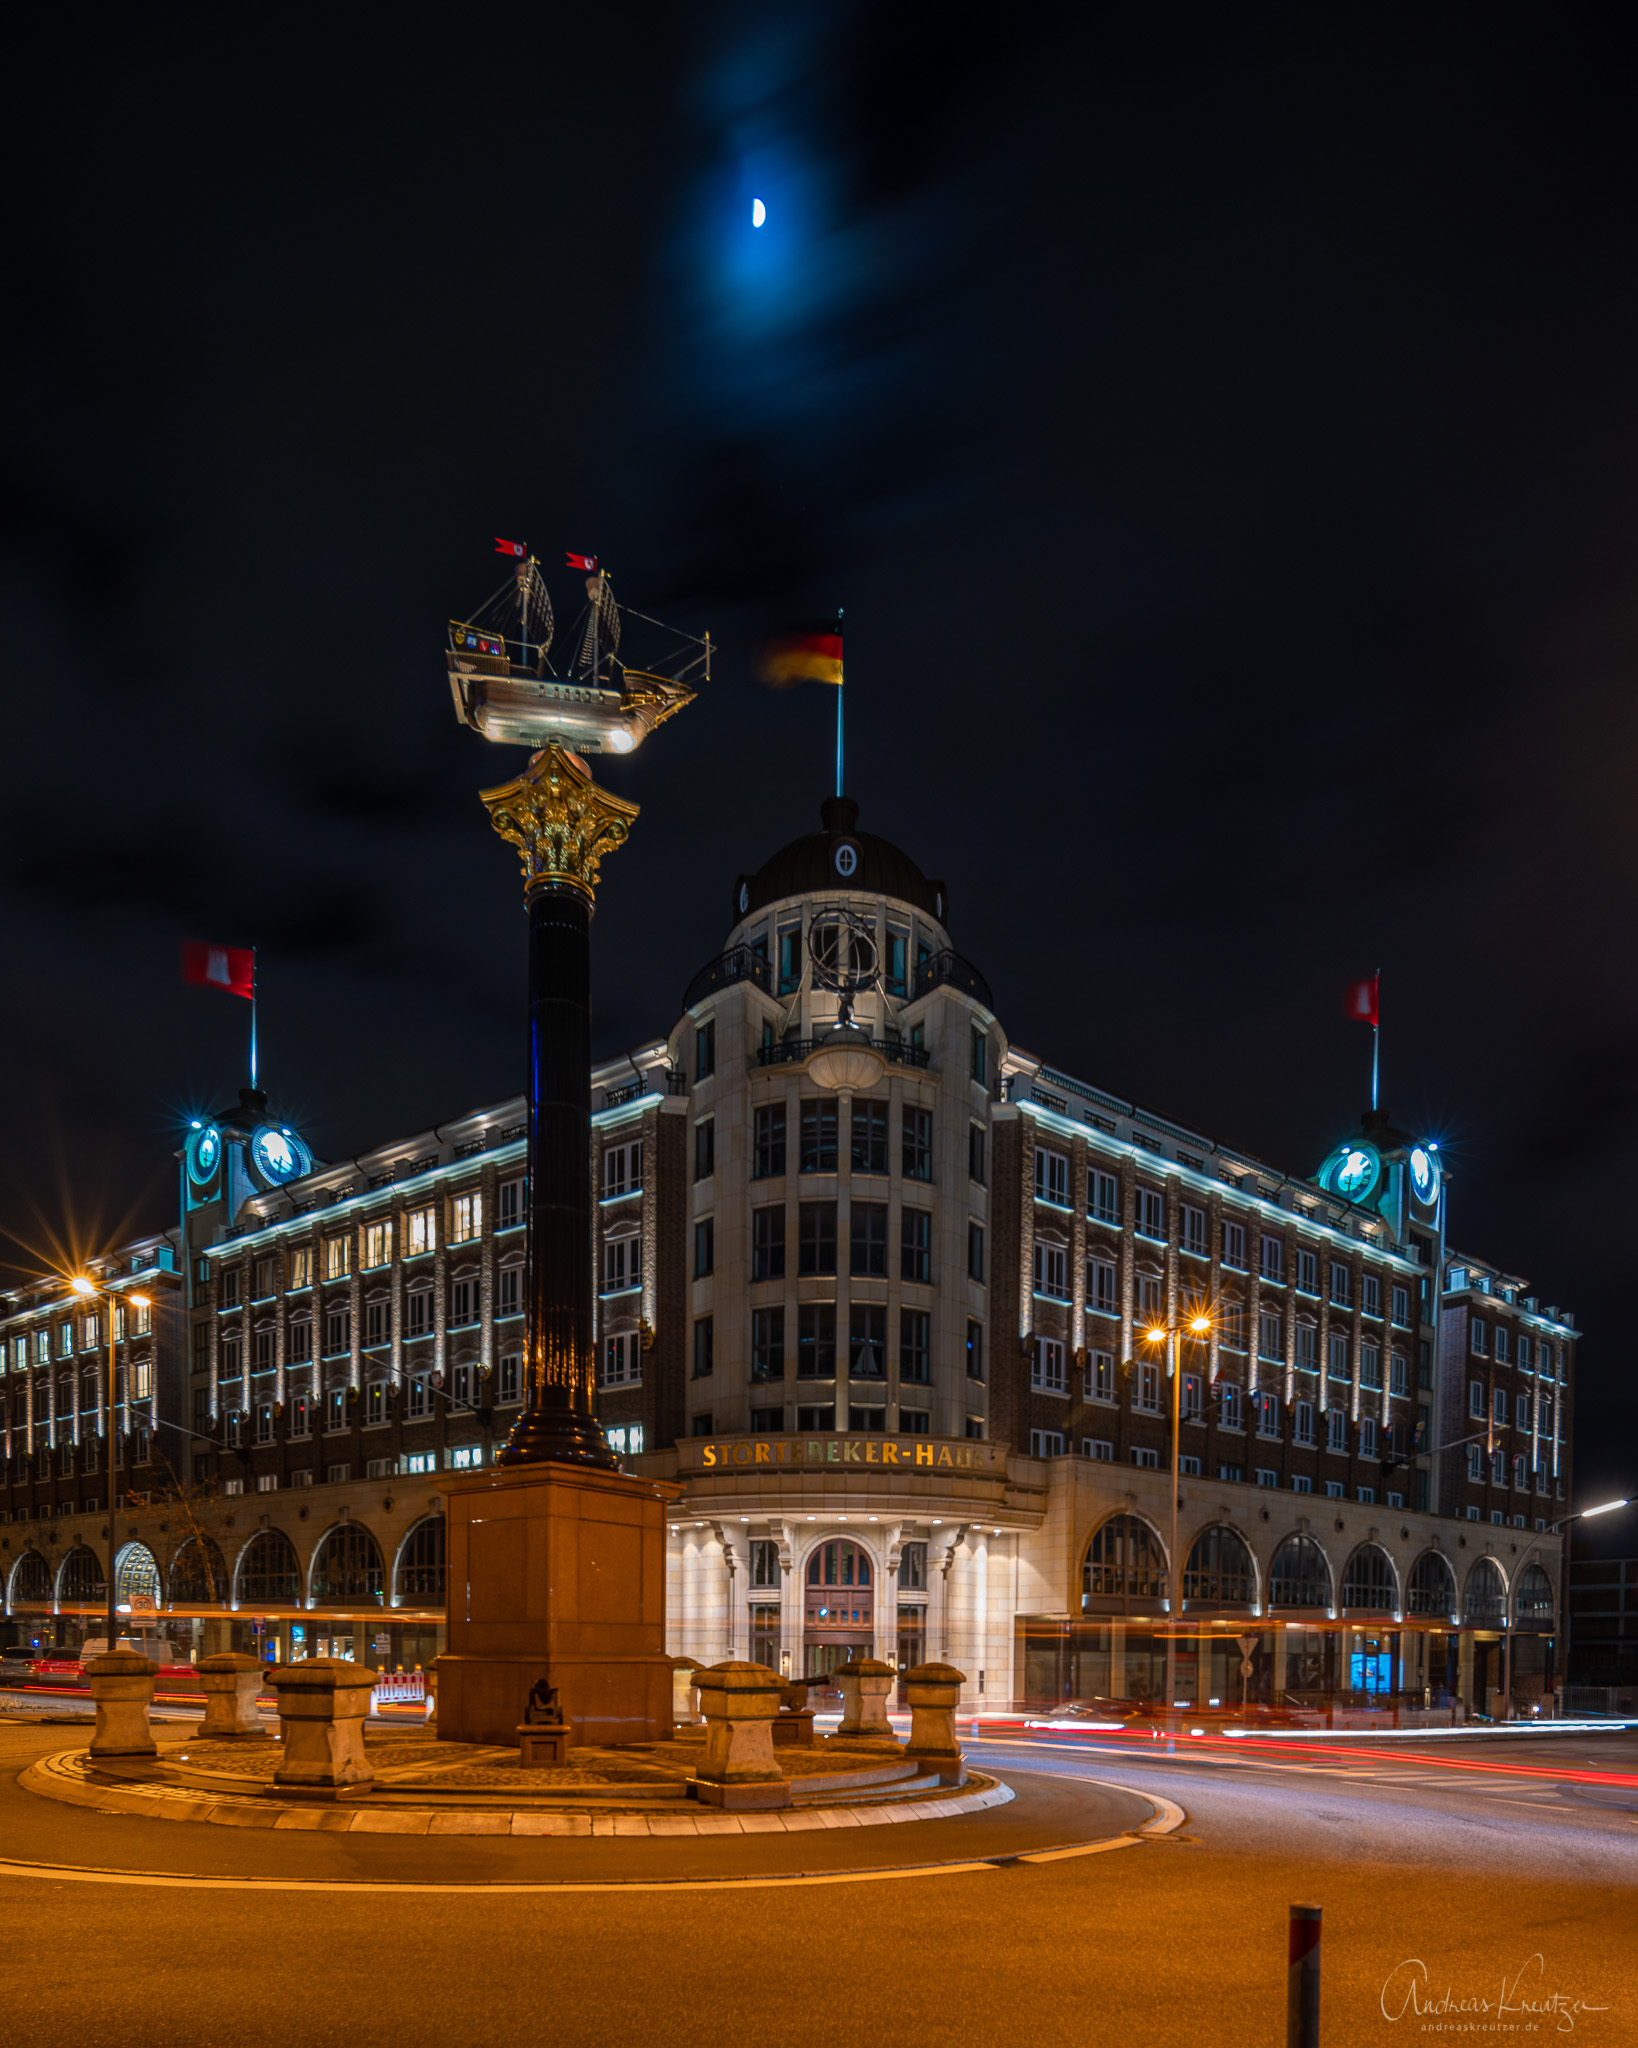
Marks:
<point>506,687</point>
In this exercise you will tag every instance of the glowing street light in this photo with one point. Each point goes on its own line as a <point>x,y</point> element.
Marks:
<point>1607,1507</point>
<point>1171,1335</point>
<point>88,1288</point>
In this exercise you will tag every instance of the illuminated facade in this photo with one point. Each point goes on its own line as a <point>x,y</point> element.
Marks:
<point>880,1299</point>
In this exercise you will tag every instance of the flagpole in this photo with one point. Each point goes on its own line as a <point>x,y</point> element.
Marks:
<point>253,1016</point>
<point>1376,1037</point>
<point>839,790</point>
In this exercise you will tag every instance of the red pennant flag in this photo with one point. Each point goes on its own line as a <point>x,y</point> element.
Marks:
<point>229,968</point>
<point>586,562</point>
<point>517,549</point>
<point>1360,1004</point>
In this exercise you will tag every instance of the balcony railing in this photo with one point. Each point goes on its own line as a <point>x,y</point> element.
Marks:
<point>792,1051</point>
<point>950,970</point>
<point>739,963</point>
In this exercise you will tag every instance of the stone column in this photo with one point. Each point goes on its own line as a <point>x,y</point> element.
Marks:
<point>933,1690</point>
<point>122,1686</point>
<point>738,1770</point>
<point>232,1685</point>
<point>865,1684</point>
<point>322,1705</point>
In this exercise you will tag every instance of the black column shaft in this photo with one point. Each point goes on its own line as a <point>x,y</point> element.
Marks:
<point>558,1424</point>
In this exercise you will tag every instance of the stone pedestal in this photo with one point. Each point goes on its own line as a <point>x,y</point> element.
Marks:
<point>542,1744</point>
<point>738,1769</point>
<point>322,1705</point>
<point>555,1572</point>
<point>685,1692</point>
<point>933,1690</point>
<point>865,1684</point>
<point>793,1725</point>
<point>233,1684</point>
<point>122,1684</point>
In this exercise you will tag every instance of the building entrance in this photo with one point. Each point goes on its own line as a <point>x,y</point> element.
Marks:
<point>838,1611</point>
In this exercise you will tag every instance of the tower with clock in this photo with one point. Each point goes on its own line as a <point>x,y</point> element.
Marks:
<point>1400,1178</point>
<point>228,1157</point>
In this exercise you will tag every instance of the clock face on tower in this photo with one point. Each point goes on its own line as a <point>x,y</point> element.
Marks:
<point>1352,1171</point>
<point>277,1154</point>
<point>1424,1175</point>
<point>204,1153</point>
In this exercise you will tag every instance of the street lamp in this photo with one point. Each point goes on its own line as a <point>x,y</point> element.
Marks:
<point>1607,1507</point>
<point>1171,1334</point>
<point>84,1288</point>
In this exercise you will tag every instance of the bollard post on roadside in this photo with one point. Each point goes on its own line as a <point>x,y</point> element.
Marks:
<point>1302,1997</point>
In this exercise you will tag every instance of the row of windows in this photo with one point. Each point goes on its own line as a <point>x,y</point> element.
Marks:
<point>818,1140</point>
<point>1522,1407</point>
<point>465,1310</point>
<point>39,1346</point>
<point>1049,1375</point>
<point>816,1243</point>
<point>337,1408</point>
<point>372,1243</point>
<point>1498,1343</point>
<point>1521,1468</point>
<point>816,1343</point>
<point>821,1420</point>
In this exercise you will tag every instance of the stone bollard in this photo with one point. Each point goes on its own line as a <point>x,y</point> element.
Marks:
<point>933,1690</point>
<point>322,1704</point>
<point>685,1692</point>
<point>233,1684</point>
<point>865,1683</point>
<point>738,1769</point>
<point>122,1686</point>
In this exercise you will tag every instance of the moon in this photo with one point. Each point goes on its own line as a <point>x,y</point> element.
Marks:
<point>759,213</point>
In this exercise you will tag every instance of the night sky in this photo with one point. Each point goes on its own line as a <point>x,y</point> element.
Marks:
<point>1222,436</point>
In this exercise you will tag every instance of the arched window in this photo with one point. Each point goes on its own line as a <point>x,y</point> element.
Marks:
<point>1299,1575</point>
<point>1219,1569</point>
<point>347,1567</point>
<point>1124,1561</point>
<point>136,1573</point>
<point>420,1575</point>
<point>80,1578</point>
<point>1533,1603</point>
<point>269,1575</point>
<point>839,1564</point>
<point>1486,1600</point>
<point>31,1581</point>
<point>1431,1588</point>
<point>1368,1582</point>
<point>199,1574</point>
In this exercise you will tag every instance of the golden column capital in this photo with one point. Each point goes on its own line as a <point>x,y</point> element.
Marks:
<point>561,823</point>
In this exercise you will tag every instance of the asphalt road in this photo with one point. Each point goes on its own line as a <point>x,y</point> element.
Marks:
<point>1463,1868</point>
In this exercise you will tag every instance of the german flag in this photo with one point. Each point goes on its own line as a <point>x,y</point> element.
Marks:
<point>810,654</point>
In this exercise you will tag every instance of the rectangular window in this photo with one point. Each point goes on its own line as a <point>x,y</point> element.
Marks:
<point>980,1056</point>
<point>1236,1473</point>
<point>418,1312</point>
<point>1270,1341</point>
<point>816,1340</point>
<point>338,1331</point>
<point>1101,1287</point>
<point>509,1199</point>
<point>1501,1344</point>
<point>1401,1305</point>
<point>232,1360</point>
<point>867,1341</point>
<point>912,1421</point>
<point>1147,1459</point>
<point>768,1242</point>
<point>378,1244</point>
<point>301,1266</point>
<point>1100,1376</point>
<point>1266,1409</point>
<point>465,1217</point>
<point>703,1348</point>
<point>375,1406</point>
<point>622,1361</point>
<point>768,1344</point>
<point>1475,1462</point>
<point>819,1136</point>
<point>705,1050</point>
<point>1148,1298</point>
<point>1272,1257</point>
<point>1337,1357</point>
<point>1336,1429</point>
<point>622,1169</point>
<point>338,1257</point>
<point>1398,1374</point>
<point>1190,1396</point>
<point>768,1143</point>
<point>1307,1272</point>
<point>261,1286</point>
<point>1370,1367</point>
<point>705,1247</point>
<point>1498,1467</point>
<point>898,963</point>
<point>1521,1411</point>
<point>1046,1443</point>
<point>301,1340</point>
<point>975,1350</point>
<point>1146,1386</point>
<point>1302,1483</point>
<point>1234,1245</point>
<point>1102,1195</point>
<point>1524,1352</point>
<point>975,1154</point>
<point>1307,1348</point>
<point>1475,1399</point>
<point>1051,1270</point>
<point>510,1379</point>
<point>915,1325</point>
<point>1367,1436</point>
<point>1047,1369</point>
<point>812,1418</point>
<point>261,1351</point>
<point>301,1415</point>
<point>1499,1408</point>
<point>1231,1326</point>
<point>509,1291</point>
<point>915,1244</point>
<point>916,1147</point>
<point>622,1264</point>
<point>705,1148</point>
<point>227,1296</point>
<point>790,959</point>
<point>1151,1214</point>
<point>1228,1416</point>
<point>463,1301</point>
<point>975,1251</point>
<point>1342,1283</point>
<point>1192,1222</point>
<point>420,1235</point>
<point>867,1248</point>
<point>1051,1176</point>
<point>1098,1448</point>
<point>816,1238</point>
<point>1372,1290</point>
<point>869,1137</point>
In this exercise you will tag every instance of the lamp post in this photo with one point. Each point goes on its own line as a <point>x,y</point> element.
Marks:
<point>1607,1507</point>
<point>87,1289</point>
<point>1171,1334</point>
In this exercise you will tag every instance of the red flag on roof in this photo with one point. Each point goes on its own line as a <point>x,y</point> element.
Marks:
<point>517,549</point>
<point>586,562</point>
<point>1361,1002</point>
<point>229,968</point>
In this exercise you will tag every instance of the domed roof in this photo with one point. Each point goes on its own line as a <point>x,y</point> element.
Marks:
<point>839,857</point>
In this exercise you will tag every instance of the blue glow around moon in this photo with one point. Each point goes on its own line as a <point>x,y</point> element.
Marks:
<point>759,213</point>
